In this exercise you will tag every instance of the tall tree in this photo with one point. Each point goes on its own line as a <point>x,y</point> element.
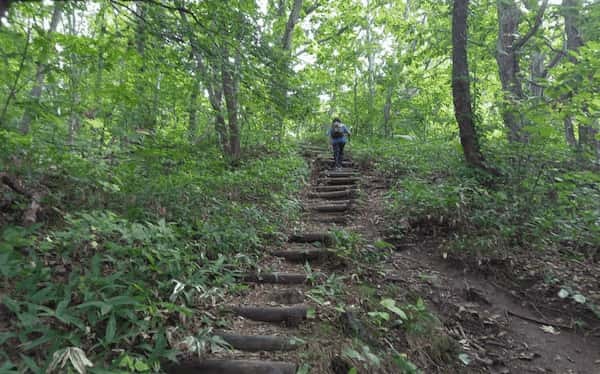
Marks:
<point>41,69</point>
<point>460,85</point>
<point>572,15</point>
<point>507,57</point>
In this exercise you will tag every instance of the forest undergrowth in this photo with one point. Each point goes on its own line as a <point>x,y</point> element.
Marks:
<point>535,228</point>
<point>127,245</point>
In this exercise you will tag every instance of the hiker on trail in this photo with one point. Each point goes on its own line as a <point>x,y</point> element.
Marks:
<point>338,136</point>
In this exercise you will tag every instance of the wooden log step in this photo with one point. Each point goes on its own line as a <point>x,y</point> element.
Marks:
<point>339,174</point>
<point>338,187</point>
<point>326,208</point>
<point>257,343</point>
<point>341,219</point>
<point>330,162</point>
<point>303,255</point>
<point>232,367</point>
<point>275,278</point>
<point>338,181</point>
<point>291,315</point>
<point>331,195</point>
<point>310,237</point>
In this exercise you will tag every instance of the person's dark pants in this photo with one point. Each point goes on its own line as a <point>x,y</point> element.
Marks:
<point>338,154</point>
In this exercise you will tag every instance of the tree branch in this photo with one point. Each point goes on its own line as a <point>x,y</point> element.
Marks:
<point>538,21</point>
<point>325,39</point>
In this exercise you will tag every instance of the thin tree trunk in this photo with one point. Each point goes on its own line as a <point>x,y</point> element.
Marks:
<point>387,111</point>
<point>370,69</point>
<point>508,66</point>
<point>230,94</point>
<point>286,40</point>
<point>587,134</point>
<point>13,89</point>
<point>507,57</point>
<point>460,85</point>
<point>211,82</point>
<point>42,67</point>
<point>193,120</point>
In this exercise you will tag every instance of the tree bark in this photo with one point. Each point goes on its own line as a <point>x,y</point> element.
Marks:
<point>507,57</point>
<point>508,66</point>
<point>587,134</point>
<point>42,67</point>
<point>286,39</point>
<point>460,85</point>
<point>229,91</point>
<point>13,89</point>
<point>211,81</point>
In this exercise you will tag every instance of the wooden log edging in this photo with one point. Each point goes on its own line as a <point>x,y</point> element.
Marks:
<point>323,237</point>
<point>257,343</point>
<point>303,255</point>
<point>275,278</point>
<point>338,181</point>
<point>335,188</point>
<point>331,195</point>
<point>232,367</point>
<point>291,315</point>
<point>330,208</point>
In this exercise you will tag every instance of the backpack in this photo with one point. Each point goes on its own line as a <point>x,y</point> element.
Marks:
<point>337,130</point>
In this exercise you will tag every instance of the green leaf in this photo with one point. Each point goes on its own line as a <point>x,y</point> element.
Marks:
<point>390,305</point>
<point>111,328</point>
<point>464,358</point>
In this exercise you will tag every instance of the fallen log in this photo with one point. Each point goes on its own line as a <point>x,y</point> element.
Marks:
<point>257,343</point>
<point>331,162</point>
<point>275,278</point>
<point>291,315</point>
<point>30,214</point>
<point>331,195</point>
<point>338,181</point>
<point>339,174</point>
<point>340,187</point>
<point>341,219</point>
<point>323,237</point>
<point>330,208</point>
<point>303,255</point>
<point>232,367</point>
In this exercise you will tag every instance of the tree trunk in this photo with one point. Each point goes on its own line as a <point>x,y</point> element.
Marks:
<point>42,67</point>
<point>286,40</point>
<point>370,70</point>
<point>13,90</point>
<point>230,94</point>
<point>387,108</point>
<point>536,71</point>
<point>211,82</point>
<point>507,57</point>
<point>460,85</point>
<point>508,66</point>
<point>193,120</point>
<point>587,134</point>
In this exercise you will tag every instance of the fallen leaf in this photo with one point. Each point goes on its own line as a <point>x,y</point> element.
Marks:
<point>549,330</point>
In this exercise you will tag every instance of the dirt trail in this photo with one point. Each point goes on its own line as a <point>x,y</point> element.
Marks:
<point>278,325</point>
<point>500,332</point>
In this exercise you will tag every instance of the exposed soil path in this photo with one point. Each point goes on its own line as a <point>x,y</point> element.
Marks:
<point>279,325</point>
<point>275,326</point>
<point>500,331</point>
